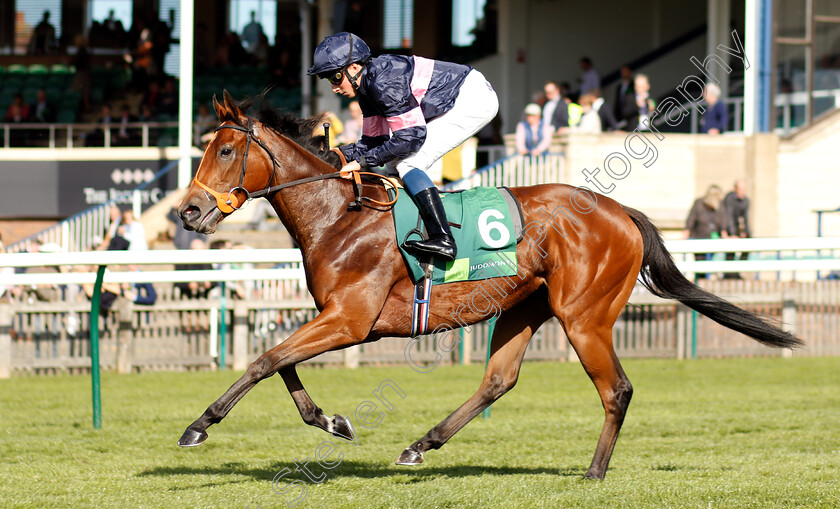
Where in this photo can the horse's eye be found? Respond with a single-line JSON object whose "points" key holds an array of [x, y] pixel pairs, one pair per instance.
{"points": [[225, 152]]}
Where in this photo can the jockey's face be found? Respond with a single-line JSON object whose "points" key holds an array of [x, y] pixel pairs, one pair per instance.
{"points": [[345, 88]]}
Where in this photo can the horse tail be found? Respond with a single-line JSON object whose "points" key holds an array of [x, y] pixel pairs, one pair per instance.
{"points": [[660, 275]]}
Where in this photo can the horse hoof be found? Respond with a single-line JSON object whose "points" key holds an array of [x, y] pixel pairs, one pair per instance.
{"points": [[410, 457], [192, 438], [343, 428], [593, 475]]}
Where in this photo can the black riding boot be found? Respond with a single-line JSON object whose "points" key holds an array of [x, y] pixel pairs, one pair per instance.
{"points": [[440, 242]]}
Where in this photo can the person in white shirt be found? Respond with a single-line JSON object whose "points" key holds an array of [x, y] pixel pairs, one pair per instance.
{"points": [[553, 98], [590, 122], [133, 232]]}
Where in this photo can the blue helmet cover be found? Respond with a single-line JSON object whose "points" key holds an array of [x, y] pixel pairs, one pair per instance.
{"points": [[334, 53]]}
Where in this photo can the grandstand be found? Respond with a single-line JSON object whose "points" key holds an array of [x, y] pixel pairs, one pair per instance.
{"points": [[781, 93]]}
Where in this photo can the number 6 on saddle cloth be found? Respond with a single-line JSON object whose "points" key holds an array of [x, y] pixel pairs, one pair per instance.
{"points": [[486, 223]]}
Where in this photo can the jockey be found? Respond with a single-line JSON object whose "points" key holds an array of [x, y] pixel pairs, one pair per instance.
{"points": [[415, 111]]}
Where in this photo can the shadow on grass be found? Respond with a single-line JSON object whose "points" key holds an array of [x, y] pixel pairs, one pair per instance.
{"points": [[348, 469]]}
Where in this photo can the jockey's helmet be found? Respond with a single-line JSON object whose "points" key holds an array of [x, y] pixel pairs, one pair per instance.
{"points": [[337, 52]]}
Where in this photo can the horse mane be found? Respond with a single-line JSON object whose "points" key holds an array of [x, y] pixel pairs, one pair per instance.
{"points": [[299, 130]]}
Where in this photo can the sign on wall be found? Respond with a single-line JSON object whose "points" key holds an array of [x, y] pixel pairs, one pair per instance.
{"points": [[58, 189]]}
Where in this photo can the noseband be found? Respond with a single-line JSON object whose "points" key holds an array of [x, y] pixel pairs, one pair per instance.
{"points": [[232, 201]]}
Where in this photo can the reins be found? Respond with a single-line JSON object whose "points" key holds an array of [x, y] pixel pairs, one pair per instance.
{"points": [[233, 201]]}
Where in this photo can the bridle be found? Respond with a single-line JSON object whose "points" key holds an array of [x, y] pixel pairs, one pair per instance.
{"points": [[234, 200]]}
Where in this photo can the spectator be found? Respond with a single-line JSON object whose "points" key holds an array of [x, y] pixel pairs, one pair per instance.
{"points": [[574, 111], [737, 206], [589, 80], [565, 89], [81, 61], [638, 107], [138, 293], [625, 88], [590, 122], [146, 114], [42, 110], [141, 60], [533, 137], [114, 219], [552, 112], [43, 37], [47, 292], [605, 114], [114, 30], [97, 137], [152, 96], [195, 289], [107, 116], [251, 33], [168, 104], [230, 51], [125, 135], [18, 111], [715, 117], [161, 41], [133, 232], [706, 220], [109, 291], [353, 125]]}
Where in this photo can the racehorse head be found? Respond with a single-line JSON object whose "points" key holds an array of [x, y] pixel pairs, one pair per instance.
{"points": [[237, 165], [251, 158]]}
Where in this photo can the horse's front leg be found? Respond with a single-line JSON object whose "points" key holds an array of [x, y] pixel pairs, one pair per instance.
{"points": [[337, 425], [330, 330]]}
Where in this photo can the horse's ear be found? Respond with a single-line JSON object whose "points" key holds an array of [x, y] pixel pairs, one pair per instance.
{"points": [[220, 110], [231, 106]]}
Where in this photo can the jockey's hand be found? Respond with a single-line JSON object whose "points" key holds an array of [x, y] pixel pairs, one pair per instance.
{"points": [[352, 166]]}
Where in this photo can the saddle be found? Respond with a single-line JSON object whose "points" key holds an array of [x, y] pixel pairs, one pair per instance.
{"points": [[487, 225]]}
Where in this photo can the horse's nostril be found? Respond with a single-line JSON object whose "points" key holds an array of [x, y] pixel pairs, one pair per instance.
{"points": [[190, 213]]}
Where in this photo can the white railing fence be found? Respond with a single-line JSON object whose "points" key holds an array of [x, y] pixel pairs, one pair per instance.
{"points": [[75, 135], [514, 170], [188, 334], [790, 110]]}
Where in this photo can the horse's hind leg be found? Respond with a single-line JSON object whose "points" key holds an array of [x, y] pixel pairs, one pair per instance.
{"points": [[588, 322], [594, 347], [337, 425], [513, 330]]}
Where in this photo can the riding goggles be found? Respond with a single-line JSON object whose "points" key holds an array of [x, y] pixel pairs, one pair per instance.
{"points": [[335, 78]]}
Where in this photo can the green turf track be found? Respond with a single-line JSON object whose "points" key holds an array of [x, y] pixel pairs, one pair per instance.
{"points": [[711, 433]]}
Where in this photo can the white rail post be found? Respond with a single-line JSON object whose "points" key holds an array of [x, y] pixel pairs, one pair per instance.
{"points": [[240, 336], [789, 319], [6, 317], [125, 335], [682, 326], [351, 356]]}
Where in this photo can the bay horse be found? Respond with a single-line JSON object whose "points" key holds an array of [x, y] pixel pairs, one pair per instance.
{"points": [[581, 270]]}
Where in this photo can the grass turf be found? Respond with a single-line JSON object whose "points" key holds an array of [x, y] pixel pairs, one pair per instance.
{"points": [[709, 433]]}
